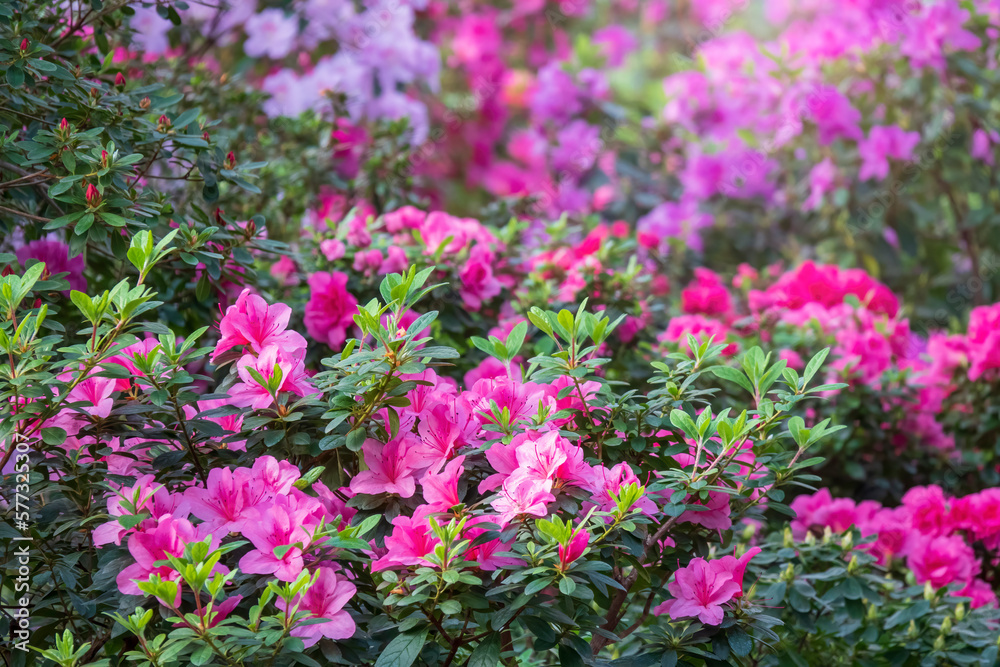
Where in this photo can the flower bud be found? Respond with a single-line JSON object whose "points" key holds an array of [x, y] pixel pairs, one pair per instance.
{"points": [[145, 103], [789, 574], [230, 161], [24, 44], [852, 566], [120, 80], [64, 125], [205, 135], [912, 632], [104, 159], [810, 539], [827, 535], [749, 531], [788, 541], [939, 643], [93, 196], [218, 217], [162, 123], [847, 542], [928, 591], [872, 612], [946, 625], [960, 611]]}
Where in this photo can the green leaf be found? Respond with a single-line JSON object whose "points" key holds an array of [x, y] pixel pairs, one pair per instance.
{"points": [[908, 614], [568, 657], [740, 642], [403, 650], [15, 77], [814, 365], [53, 436], [64, 220], [487, 654], [733, 375]]}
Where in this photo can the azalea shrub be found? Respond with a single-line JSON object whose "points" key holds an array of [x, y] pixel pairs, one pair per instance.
{"points": [[409, 332]]}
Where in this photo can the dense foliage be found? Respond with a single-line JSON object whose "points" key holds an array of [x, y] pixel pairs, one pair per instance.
{"points": [[410, 332]]}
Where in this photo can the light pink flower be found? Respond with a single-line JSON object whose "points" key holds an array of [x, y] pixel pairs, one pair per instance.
{"points": [[331, 308], [251, 393], [523, 495], [390, 467], [325, 599], [700, 590], [280, 524], [253, 323]]}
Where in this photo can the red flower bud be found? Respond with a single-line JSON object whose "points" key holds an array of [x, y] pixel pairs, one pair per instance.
{"points": [[7, 271], [204, 135], [63, 125], [218, 217], [24, 44], [104, 158], [93, 196], [119, 79], [37, 304], [230, 160], [145, 102]]}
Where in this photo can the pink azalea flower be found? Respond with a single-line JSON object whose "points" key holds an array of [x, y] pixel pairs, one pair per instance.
{"points": [[279, 525], [980, 593], [228, 501], [126, 357], [168, 538], [332, 249], [488, 554], [251, 322], [390, 467], [503, 459], [441, 489], [700, 590], [55, 256], [331, 308], [520, 399], [151, 497], [943, 560], [522, 494], [604, 482], [736, 567], [270, 33], [278, 477], [478, 284], [706, 295], [573, 548], [411, 540], [250, 393], [325, 599], [403, 218], [928, 509], [95, 393], [716, 517], [884, 143]]}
